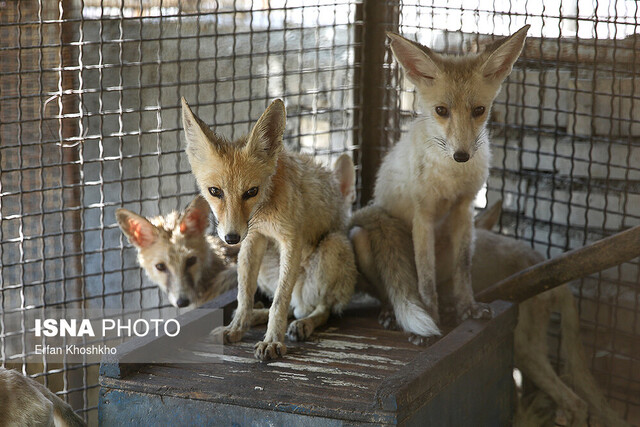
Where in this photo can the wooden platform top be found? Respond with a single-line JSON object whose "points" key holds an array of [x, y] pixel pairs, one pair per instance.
{"points": [[351, 369]]}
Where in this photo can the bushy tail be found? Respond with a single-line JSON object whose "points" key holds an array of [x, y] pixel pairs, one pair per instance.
{"points": [[385, 257], [579, 374]]}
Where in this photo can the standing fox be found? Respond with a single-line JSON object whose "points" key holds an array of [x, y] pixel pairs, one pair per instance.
{"points": [[262, 195], [192, 267], [431, 177]]}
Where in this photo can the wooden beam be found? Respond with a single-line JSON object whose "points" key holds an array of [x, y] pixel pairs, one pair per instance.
{"points": [[577, 263]]}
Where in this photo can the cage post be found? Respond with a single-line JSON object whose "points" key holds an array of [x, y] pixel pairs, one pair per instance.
{"points": [[372, 94], [68, 122], [71, 176]]}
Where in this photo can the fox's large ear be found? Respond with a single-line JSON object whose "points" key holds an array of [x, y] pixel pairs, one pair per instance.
{"points": [[345, 173], [201, 141], [266, 135], [419, 62], [195, 219], [502, 54], [139, 230]]}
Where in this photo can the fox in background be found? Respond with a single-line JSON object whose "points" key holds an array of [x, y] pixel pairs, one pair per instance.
{"points": [[26, 402], [430, 178], [262, 195], [177, 254]]}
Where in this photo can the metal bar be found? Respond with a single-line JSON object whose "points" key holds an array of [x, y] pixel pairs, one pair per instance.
{"points": [[375, 17]]}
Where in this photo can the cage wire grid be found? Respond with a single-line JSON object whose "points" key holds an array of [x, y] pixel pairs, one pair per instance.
{"points": [[89, 121]]}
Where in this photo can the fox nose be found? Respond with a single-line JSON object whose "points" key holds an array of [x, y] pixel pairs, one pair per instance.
{"points": [[460, 156], [232, 238], [182, 302]]}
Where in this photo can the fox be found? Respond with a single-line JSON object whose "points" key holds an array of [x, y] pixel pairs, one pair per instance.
{"points": [[25, 402], [262, 195], [188, 265], [431, 177], [497, 257], [217, 270]]}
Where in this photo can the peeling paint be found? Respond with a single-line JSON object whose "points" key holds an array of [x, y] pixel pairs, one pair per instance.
{"points": [[210, 376], [322, 370], [346, 345], [341, 383], [290, 375], [355, 337], [340, 355]]}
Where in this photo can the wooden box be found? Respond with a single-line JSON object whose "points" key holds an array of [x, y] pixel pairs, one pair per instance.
{"points": [[351, 372]]}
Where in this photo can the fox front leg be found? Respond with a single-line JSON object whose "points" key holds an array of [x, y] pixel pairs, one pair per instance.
{"points": [[273, 346], [462, 235], [249, 260], [423, 233]]}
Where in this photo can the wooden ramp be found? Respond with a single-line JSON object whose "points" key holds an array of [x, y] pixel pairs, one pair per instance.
{"points": [[350, 372]]}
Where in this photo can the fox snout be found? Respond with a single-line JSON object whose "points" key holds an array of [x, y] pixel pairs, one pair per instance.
{"points": [[461, 156], [231, 235], [182, 302], [232, 238]]}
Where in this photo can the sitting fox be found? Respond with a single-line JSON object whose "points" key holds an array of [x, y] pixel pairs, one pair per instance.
{"points": [[431, 177]]}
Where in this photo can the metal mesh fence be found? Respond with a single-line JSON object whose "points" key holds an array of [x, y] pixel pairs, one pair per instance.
{"points": [[89, 122]]}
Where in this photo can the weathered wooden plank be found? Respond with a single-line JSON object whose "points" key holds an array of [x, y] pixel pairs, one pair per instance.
{"points": [[337, 375], [200, 322], [581, 262], [441, 363]]}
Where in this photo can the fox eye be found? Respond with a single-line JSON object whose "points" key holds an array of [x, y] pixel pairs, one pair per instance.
{"points": [[442, 111], [191, 260], [478, 111], [216, 192], [161, 266], [252, 192]]}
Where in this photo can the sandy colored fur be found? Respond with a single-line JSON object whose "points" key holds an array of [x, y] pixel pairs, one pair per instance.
{"points": [[298, 210], [25, 402], [173, 243], [431, 177]]}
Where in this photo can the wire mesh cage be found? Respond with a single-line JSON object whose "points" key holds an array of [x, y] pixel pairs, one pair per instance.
{"points": [[89, 122]]}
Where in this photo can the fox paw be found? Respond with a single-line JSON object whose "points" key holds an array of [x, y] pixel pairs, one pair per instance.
{"points": [[229, 335], [265, 351], [387, 318], [299, 331], [424, 341], [478, 310]]}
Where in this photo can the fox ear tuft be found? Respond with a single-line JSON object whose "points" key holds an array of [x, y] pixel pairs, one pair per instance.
{"points": [[418, 61], [195, 219], [502, 54], [345, 173], [266, 135], [140, 232]]}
